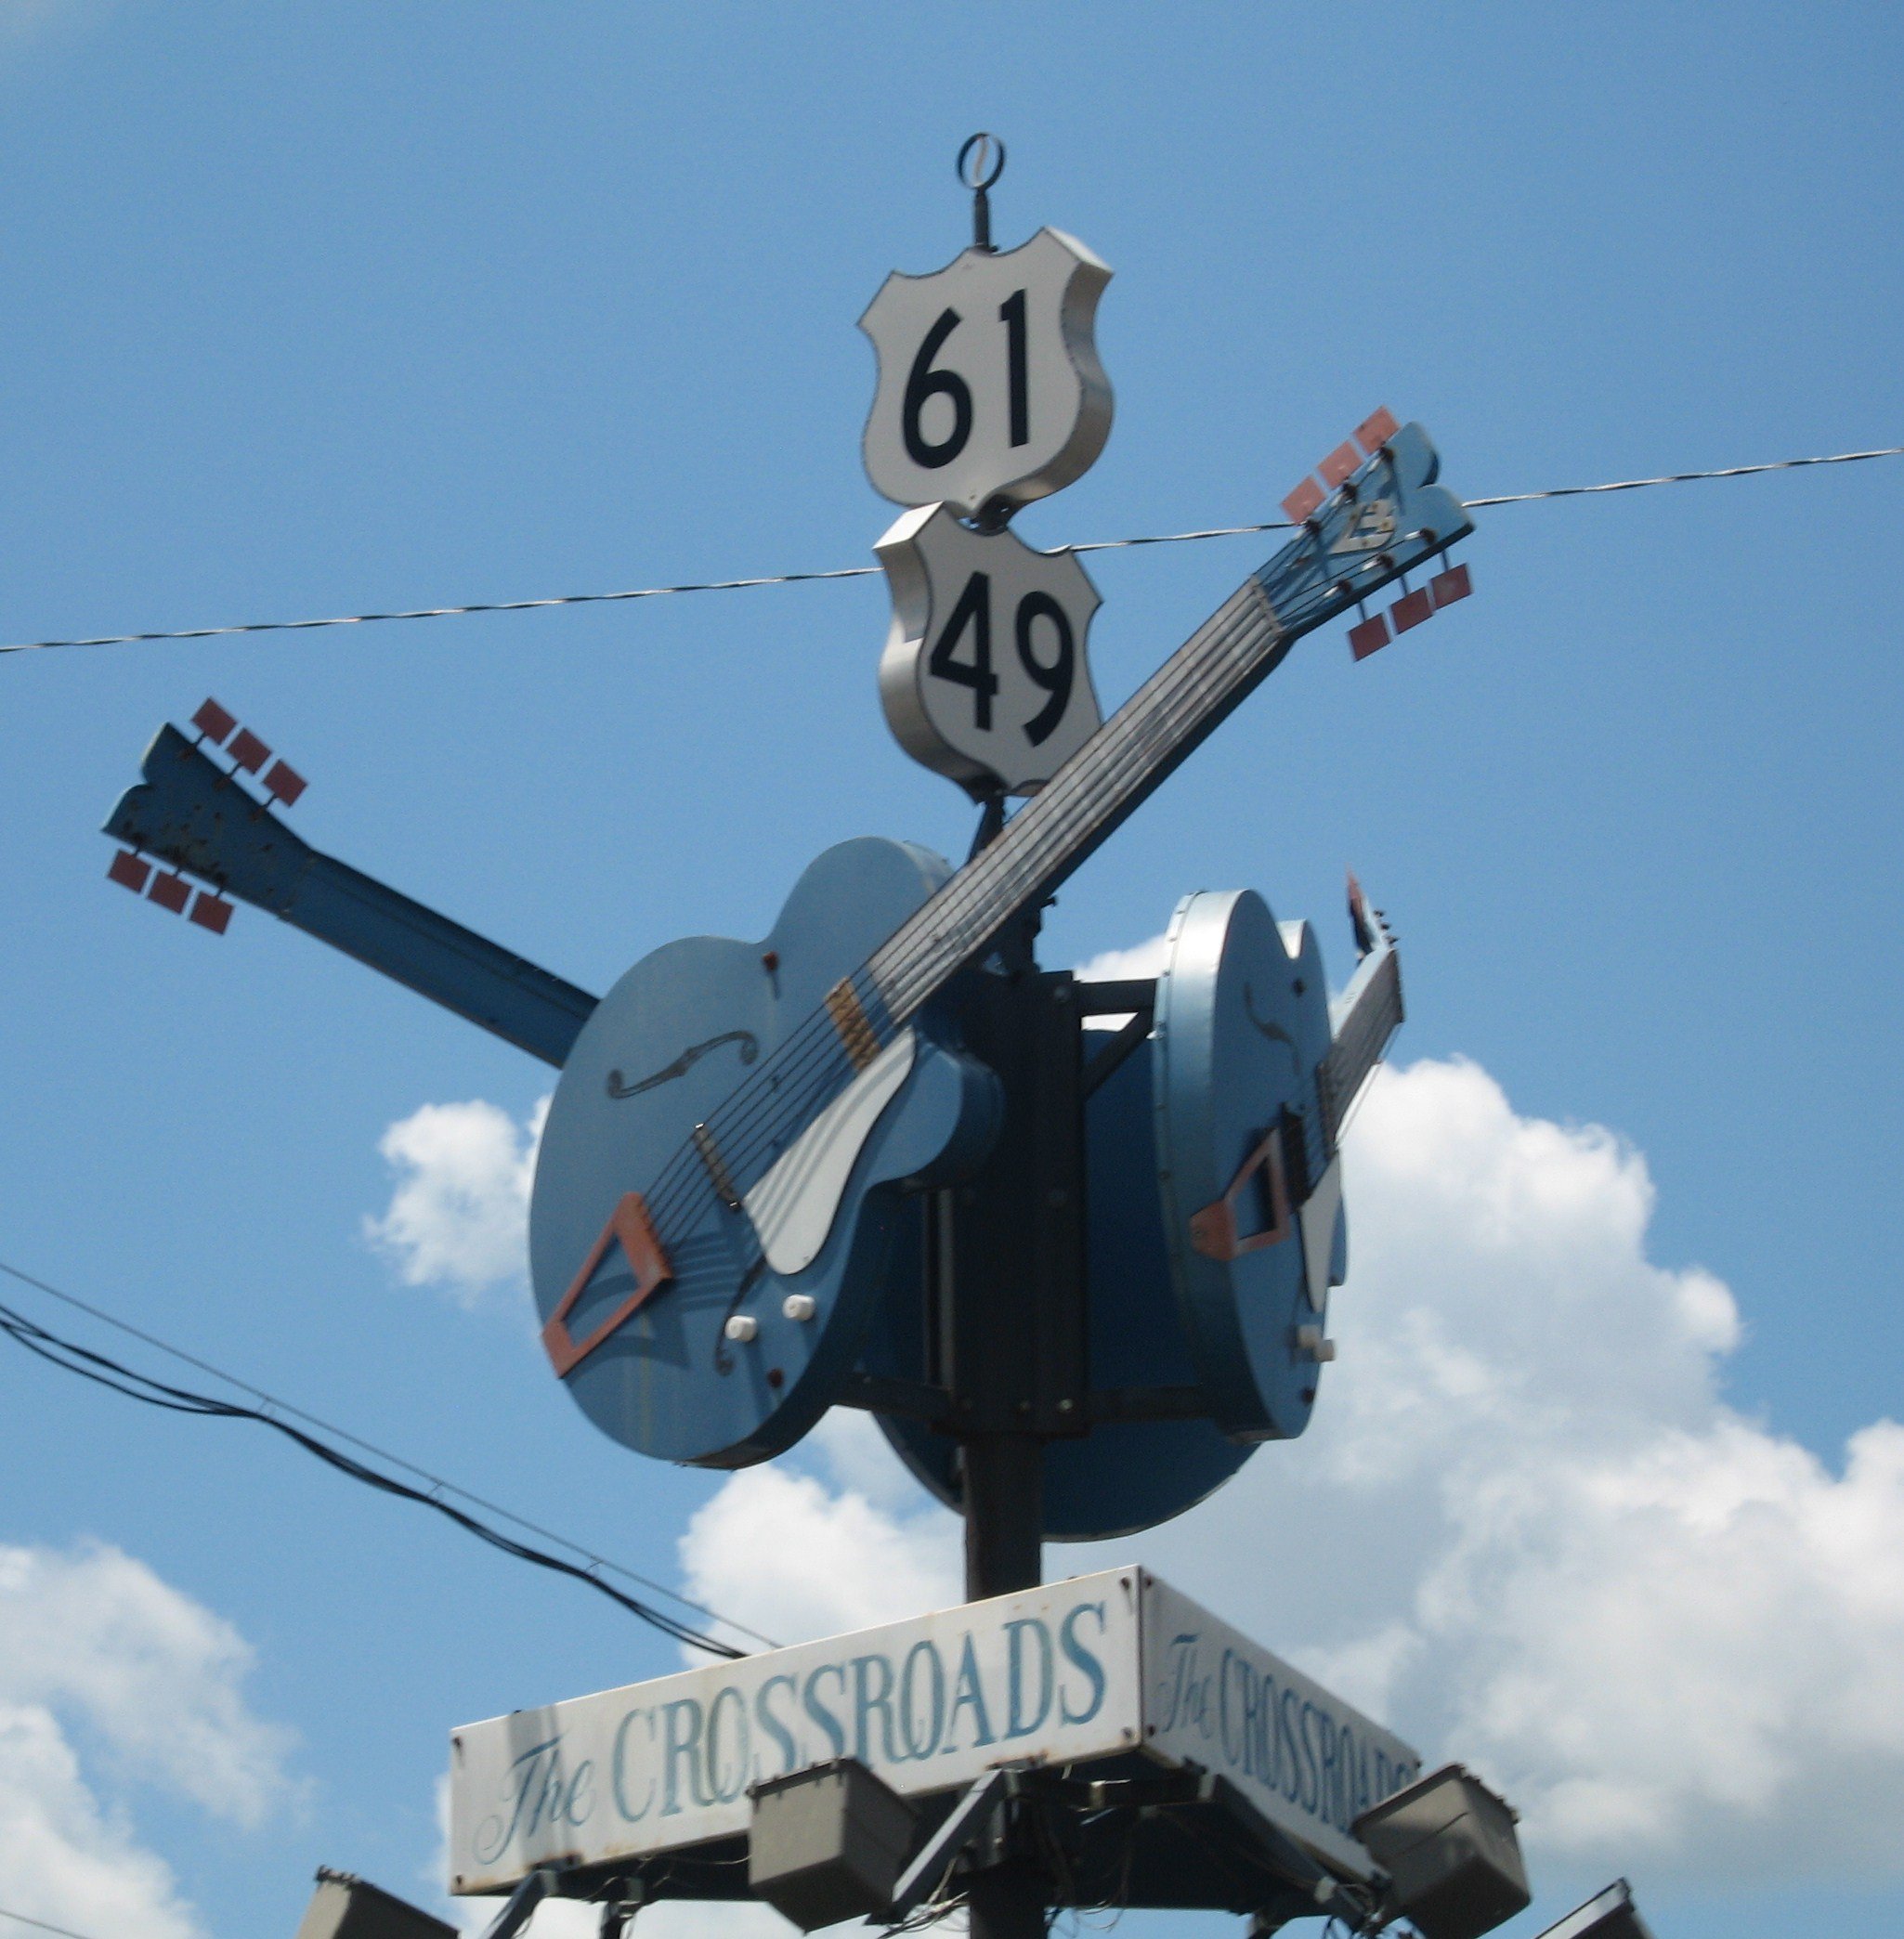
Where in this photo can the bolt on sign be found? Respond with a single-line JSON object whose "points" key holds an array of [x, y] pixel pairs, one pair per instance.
{"points": [[1104, 1666]]}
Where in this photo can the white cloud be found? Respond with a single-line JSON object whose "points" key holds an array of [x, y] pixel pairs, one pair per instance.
{"points": [[457, 1214], [93, 1639], [1142, 960], [1532, 1534], [784, 1551]]}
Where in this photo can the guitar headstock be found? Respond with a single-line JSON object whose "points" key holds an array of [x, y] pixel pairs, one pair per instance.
{"points": [[1378, 517], [197, 815]]}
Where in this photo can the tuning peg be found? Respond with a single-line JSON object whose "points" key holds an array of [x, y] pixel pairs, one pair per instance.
{"points": [[130, 870], [1371, 636], [1300, 506], [1410, 609], [284, 782], [248, 752], [170, 892], [1451, 585], [213, 722], [212, 912], [1340, 465], [1375, 429]]}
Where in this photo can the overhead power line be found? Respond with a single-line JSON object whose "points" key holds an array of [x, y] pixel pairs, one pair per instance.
{"points": [[848, 572], [281, 1415], [21, 1917]]}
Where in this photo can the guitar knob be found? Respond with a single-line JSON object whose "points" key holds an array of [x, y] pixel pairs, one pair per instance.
{"points": [[799, 1306], [741, 1327], [1311, 1344]]}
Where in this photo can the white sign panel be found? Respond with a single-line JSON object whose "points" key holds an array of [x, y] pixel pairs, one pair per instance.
{"points": [[928, 1704], [1096, 1668], [990, 387], [985, 676], [1307, 1761]]}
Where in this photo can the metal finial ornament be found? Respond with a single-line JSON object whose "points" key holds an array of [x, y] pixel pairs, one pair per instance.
{"points": [[981, 163]]}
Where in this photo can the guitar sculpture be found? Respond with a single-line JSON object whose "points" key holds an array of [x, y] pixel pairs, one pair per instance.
{"points": [[726, 1170], [740, 1215]]}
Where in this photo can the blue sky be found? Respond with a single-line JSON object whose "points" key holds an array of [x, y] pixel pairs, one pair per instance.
{"points": [[321, 309]]}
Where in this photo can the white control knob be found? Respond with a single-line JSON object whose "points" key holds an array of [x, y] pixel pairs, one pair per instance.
{"points": [[1311, 1344], [799, 1306], [741, 1326]]}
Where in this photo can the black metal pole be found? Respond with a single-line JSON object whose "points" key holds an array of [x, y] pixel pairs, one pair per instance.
{"points": [[1009, 1267]]}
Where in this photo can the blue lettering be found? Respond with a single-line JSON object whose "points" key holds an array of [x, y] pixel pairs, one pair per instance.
{"points": [[677, 1747], [789, 1750], [865, 1701], [1074, 1647], [818, 1711], [1330, 1799], [1285, 1739], [579, 1787], [967, 1693], [1020, 1723], [618, 1769], [1312, 1777], [920, 1743], [726, 1793], [531, 1787]]}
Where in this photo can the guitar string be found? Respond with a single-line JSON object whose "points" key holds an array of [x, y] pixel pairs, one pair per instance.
{"points": [[850, 572], [1306, 607], [1148, 729], [1229, 636], [921, 961], [676, 1187]]}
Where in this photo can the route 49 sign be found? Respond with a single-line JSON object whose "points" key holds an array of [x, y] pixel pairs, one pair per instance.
{"points": [[990, 389], [984, 678]]}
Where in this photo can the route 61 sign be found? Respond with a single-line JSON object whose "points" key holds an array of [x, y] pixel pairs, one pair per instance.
{"points": [[990, 389], [984, 677]]}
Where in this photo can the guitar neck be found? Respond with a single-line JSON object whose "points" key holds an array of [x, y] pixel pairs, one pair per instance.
{"points": [[1389, 518], [1105, 781], [1369, 1014]]}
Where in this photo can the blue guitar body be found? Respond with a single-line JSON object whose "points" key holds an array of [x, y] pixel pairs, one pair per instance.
{"points": [[662, 1050]]}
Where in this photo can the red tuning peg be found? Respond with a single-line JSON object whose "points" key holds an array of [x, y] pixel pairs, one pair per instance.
{"points": [[1369, 637], [213, 722], [170, 892], [1375, 429], [248, 752], [1339, 466], [285, 782], [1410, 609], [1451, 585], [1301, 505], [129, 870], [212, 912]]}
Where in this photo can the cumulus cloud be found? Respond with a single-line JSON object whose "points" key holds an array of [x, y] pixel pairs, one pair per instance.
{"points": [[1532, 1535], [1535, 1536], [458, 1211], [93, 1639]]}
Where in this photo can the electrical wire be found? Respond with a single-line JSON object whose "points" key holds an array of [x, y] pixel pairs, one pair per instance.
{"points": [[848, 572], [64, 1932], [104, 1371]]}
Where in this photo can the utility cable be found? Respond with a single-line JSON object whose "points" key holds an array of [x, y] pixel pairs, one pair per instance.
{"points": [[21, 1917], [105, 1372], [848, 572]]}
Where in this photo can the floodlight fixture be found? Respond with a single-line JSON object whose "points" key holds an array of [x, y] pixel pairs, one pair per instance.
{"points": [[828, 1843], [1607, 1914], [344, 1907], [1448, 1845]]}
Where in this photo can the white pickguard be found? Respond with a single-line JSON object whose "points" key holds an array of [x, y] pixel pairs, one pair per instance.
{"points": [[794, 1206], [1316, 1218]]}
